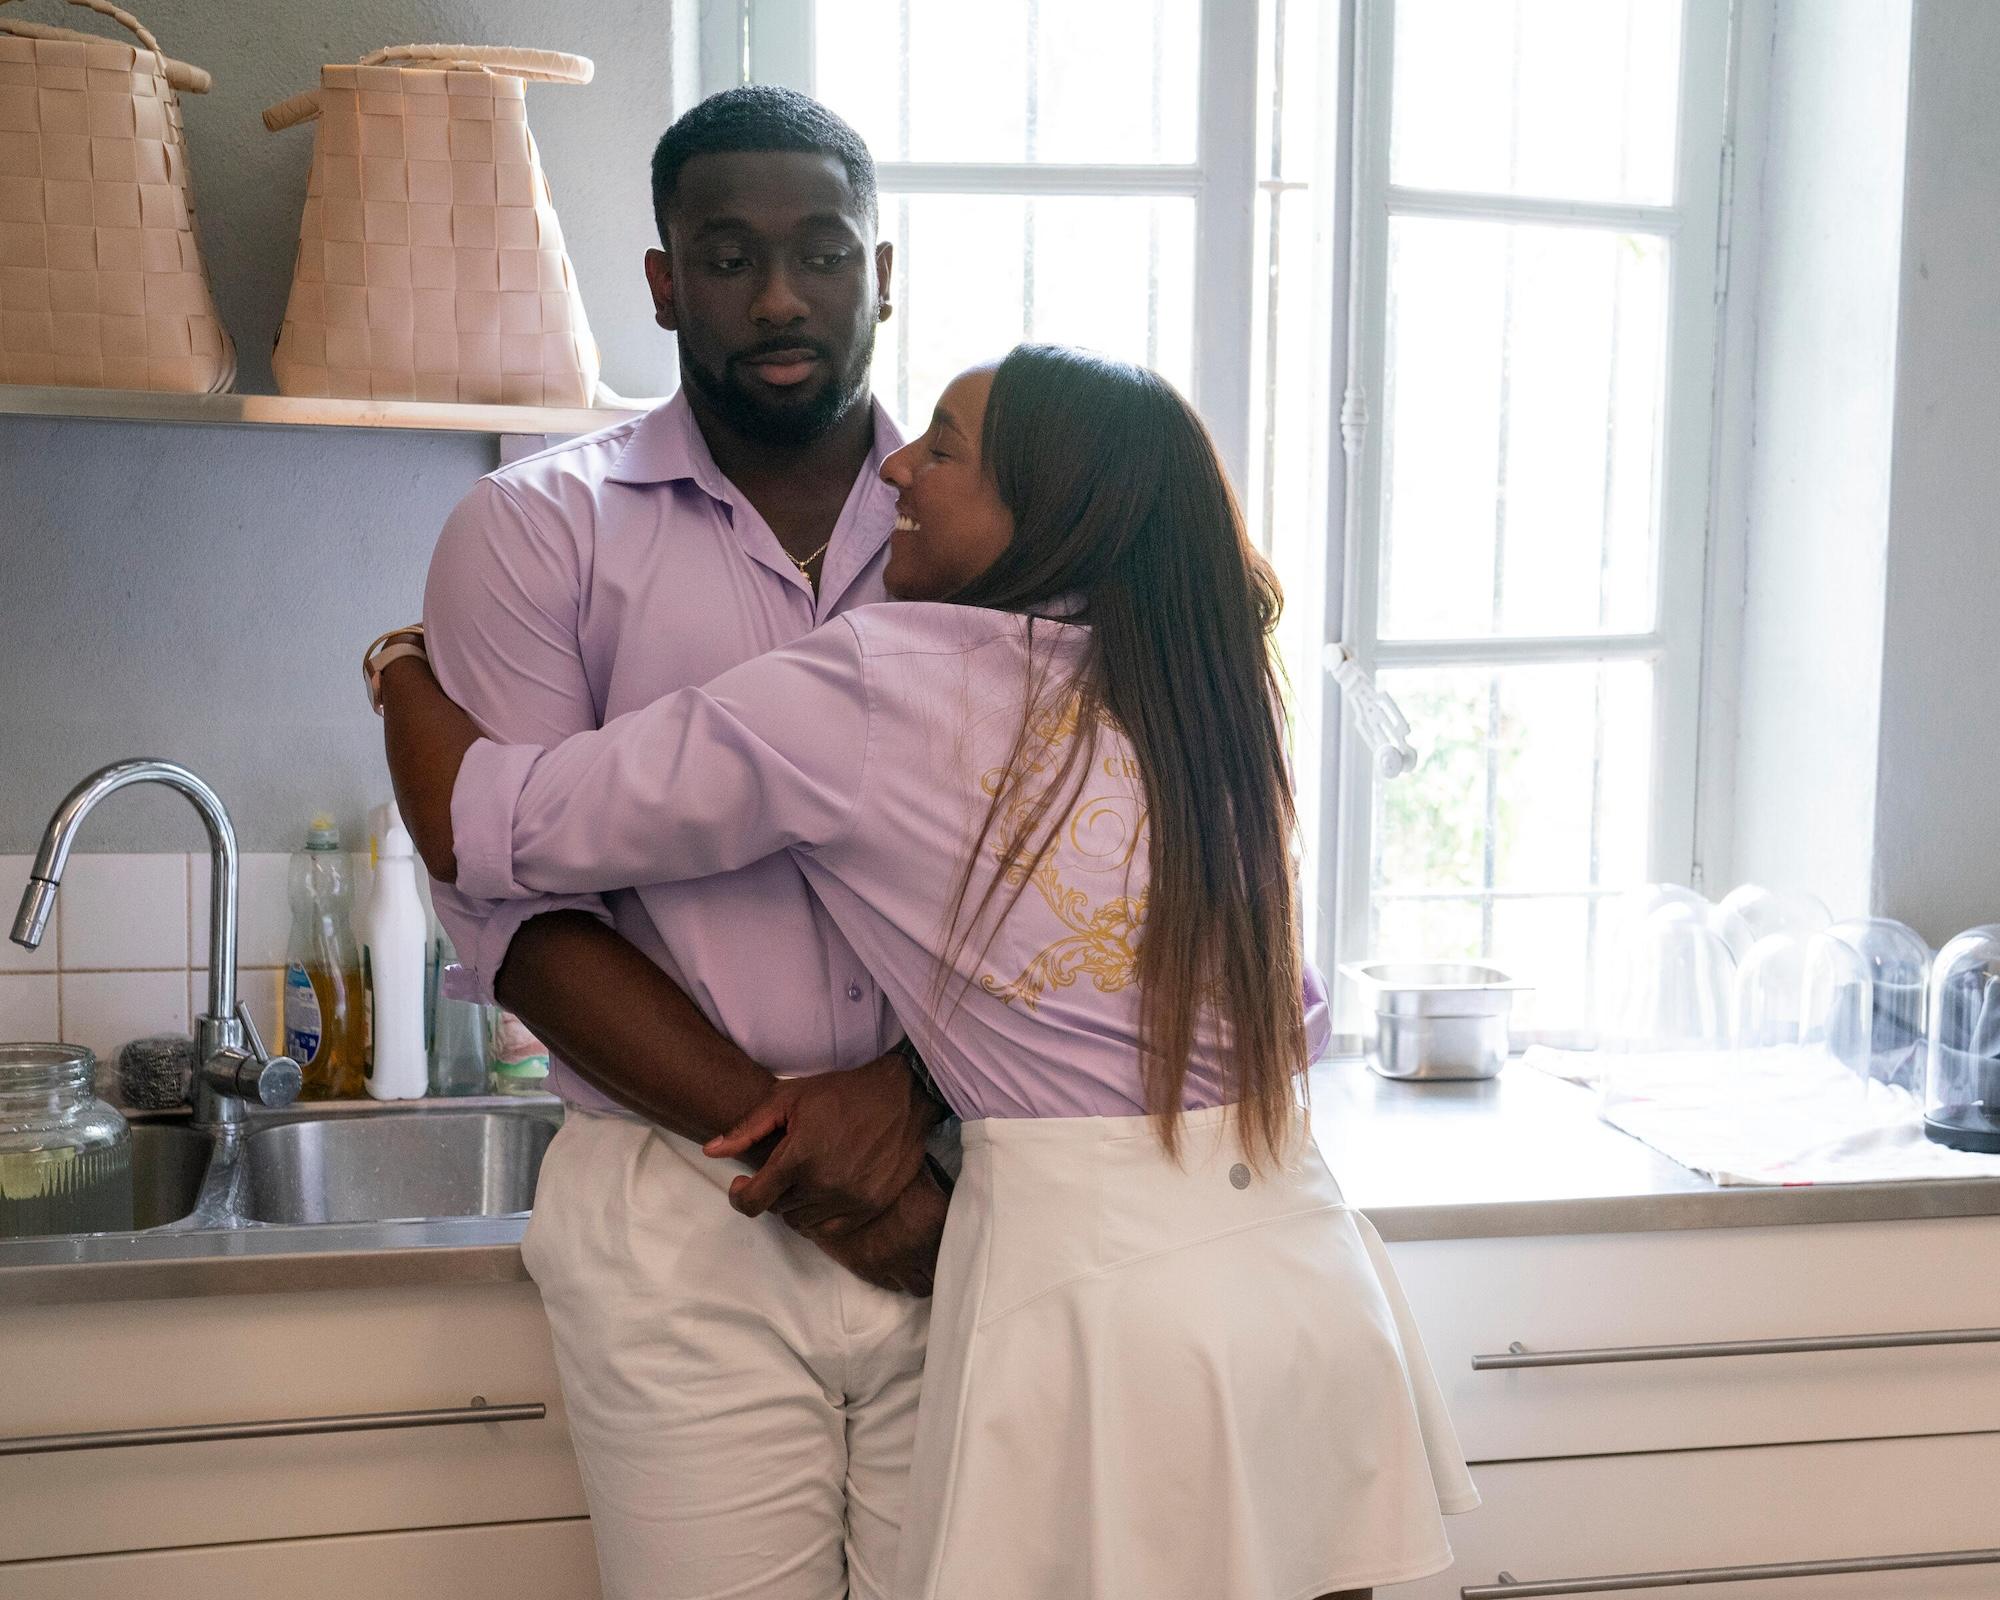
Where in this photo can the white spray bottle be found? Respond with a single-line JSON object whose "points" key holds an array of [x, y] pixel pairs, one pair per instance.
{"points": [[395, 944]]}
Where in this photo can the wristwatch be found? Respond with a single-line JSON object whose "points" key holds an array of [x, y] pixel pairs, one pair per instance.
{"points": [[394, 645]]}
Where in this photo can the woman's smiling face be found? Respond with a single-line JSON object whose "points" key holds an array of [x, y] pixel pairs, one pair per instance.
{"points": [[950, 522]]}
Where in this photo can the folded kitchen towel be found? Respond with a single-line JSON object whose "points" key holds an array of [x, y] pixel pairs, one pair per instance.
{"points": [[1789, 1114]]}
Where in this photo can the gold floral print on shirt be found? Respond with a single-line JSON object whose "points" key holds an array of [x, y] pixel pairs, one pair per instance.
{"points": [[1101, 834]]}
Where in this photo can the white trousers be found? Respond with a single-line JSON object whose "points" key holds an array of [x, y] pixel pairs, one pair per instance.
{"points": [[743, 1410]]}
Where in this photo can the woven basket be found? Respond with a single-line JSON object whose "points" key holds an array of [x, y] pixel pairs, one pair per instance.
{"points": [[101, 281], [431, 265]]}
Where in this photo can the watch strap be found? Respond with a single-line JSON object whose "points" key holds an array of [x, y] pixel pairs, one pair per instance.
{"points": [[397, 644]]}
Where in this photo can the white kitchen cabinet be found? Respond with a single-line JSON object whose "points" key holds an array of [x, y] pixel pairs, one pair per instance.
{"points": [[1698, 1460], [376, 1354], [548, 1560], [1589, 1470], [1699, 1286], [1587, 1517]]}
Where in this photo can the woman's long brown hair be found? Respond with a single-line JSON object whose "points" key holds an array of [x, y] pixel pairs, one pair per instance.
{"points": [[1124, 520]]}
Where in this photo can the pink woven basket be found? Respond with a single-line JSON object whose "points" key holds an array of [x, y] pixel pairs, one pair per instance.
{"points": [[101, 278], [431, 265]]}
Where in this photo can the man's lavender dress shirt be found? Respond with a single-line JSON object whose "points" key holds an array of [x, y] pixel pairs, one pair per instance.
{"points": [[590, 580]]}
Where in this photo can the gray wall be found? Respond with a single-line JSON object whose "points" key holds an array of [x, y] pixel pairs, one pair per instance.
{"points": [[203, 593], [1867, 767], [1824, 300], [1937, 863]]}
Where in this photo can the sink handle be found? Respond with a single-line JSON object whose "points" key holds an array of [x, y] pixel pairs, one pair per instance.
{"points": [[279, 1082], [250, 1031], [254, 1074], [274, 1081]]}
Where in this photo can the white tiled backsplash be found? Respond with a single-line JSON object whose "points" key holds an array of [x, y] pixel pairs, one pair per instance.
{"points": [[126, 953]]}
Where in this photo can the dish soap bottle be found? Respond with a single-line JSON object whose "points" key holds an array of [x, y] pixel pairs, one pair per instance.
{"points": [[324, 1022], [394, 951]]}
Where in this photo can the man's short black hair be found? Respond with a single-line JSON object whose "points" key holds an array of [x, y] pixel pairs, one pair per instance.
{"points": [[758, 117]]}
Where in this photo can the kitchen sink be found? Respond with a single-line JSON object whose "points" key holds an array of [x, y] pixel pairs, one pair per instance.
{"points": [[394, 1167], [168, 1166]]}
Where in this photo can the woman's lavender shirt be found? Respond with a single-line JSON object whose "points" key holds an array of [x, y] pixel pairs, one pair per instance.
{"points": [[870, 751]]}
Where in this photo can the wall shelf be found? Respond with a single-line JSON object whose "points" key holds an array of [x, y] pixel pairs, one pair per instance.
{"points": [[293, 411]]}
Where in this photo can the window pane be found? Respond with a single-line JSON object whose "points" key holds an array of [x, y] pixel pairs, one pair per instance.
{"points": [[1525, 378], [1530, 805], [976, 274], [1567, 99], [1426, 930], [1286, 377], [1297, 42], [1014, 80]]}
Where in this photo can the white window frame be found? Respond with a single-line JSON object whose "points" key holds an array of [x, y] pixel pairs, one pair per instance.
{"points": [[1694, 226], [772, 41]]}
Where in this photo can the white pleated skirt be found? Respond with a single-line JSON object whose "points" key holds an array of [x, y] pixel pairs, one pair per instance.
{"points": [[1182, 1381]]}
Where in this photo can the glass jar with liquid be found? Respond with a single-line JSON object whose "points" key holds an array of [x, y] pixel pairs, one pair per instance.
{"points": [[65, 1156], [326, 1020]]}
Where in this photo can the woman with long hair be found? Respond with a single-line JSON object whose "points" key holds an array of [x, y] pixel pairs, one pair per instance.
{"points": [[1046, 800]]}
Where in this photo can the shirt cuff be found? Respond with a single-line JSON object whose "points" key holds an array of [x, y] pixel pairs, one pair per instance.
{"points": [[491, 943], [489, 784], [495, 937]]}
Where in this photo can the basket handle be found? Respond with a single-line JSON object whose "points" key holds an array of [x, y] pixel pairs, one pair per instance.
{"points": [[193, 80], [543, 66], [302, 107]]}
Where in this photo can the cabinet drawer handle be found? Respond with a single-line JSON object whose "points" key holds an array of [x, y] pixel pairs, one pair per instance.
{"points": [[1510, 1588], [1518, 1355], [39, 1444]]}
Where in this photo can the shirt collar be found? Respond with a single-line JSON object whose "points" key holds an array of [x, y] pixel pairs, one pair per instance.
{"points": [[666, 446], [870, 511]]}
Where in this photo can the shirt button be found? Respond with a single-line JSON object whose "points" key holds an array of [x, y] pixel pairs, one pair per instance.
{"points": [[1239, 1176], [854, 991]]}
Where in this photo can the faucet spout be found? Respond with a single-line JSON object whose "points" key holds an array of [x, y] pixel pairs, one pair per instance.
{"points": [[219, 1033], [32, 920], [45, 877]]}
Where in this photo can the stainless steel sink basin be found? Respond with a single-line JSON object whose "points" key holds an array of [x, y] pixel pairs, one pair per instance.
{"points": [[393, 1167], [168, 1165]]}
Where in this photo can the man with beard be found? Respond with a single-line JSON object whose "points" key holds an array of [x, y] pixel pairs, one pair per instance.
{"points": [[741, 1400]]}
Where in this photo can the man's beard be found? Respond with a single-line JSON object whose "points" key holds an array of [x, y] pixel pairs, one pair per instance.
{"points": [[790, 425]]}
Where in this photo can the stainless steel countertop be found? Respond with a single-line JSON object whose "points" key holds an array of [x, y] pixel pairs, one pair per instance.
{"points": [[78, 1268], [1524, 1153], [1517, 1155]]}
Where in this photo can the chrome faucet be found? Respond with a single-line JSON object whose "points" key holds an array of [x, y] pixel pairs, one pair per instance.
{"points": [[232, 1064]]}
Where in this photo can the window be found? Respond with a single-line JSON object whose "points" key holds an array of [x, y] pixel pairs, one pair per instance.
{"points": [[1537, 191], [1525, 263], [1048, 170]]}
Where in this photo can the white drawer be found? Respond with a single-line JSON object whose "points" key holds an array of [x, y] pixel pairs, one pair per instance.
{"points": [[1615, 1292], [1546, 1521], [549, 1560], [251, 1358]]}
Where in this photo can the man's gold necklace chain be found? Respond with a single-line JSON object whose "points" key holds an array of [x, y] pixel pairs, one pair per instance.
{"points": [[804, 564]]}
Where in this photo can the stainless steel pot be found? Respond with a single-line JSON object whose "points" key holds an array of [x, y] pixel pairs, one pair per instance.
{"points": [[1436, 1019]]}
